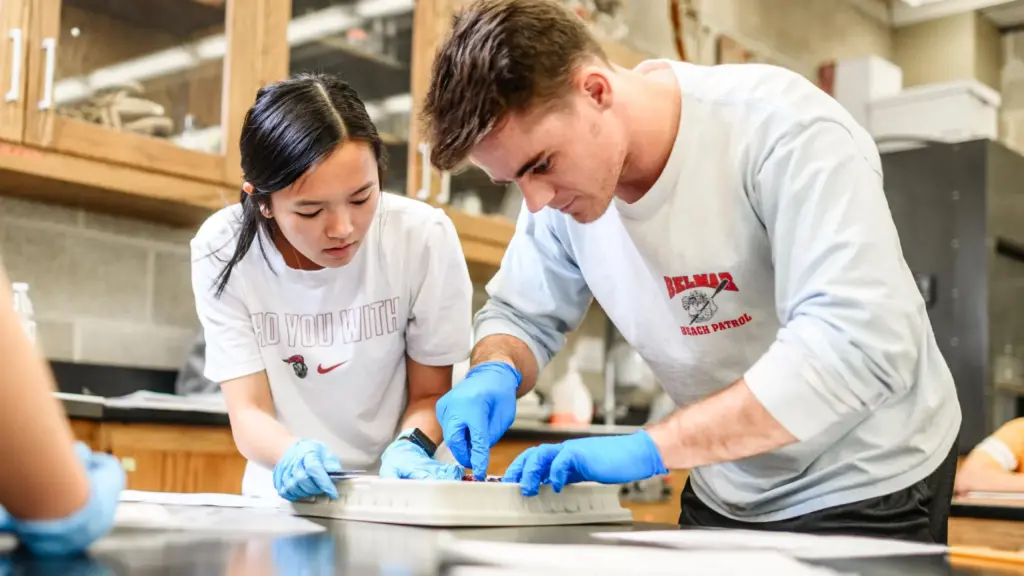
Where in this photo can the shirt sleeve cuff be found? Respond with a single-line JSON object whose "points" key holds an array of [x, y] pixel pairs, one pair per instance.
{"points": [[781, 382], [237, 371], [999, 452], [492, 326], [447, 359]]}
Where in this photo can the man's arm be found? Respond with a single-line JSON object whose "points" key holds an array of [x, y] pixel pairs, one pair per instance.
{"points": [[728, 425], [537, 296], [509, 349]]}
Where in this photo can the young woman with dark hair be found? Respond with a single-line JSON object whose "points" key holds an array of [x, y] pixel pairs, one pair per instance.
{"points": [[334, 336]]}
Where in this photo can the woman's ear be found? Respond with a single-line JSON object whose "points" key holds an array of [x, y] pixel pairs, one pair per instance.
{"points": [[248, 188]]}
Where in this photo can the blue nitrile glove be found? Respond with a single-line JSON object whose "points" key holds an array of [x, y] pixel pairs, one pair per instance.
{"points": [[477, 411], [6, 522], [404, 459], [302, 472], [604, 459], [74, 533]]}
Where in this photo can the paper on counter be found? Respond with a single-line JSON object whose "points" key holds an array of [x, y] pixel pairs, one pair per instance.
{"points": [[201, 499], [598, 560], [796, 545], [136, 515], [996, 495], [146, 399]]}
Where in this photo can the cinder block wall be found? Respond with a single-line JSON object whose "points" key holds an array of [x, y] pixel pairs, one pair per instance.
{"points": [[106, 289]]}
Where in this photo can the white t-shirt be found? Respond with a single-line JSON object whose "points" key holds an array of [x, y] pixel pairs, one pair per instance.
{"points": [[765, 251], [334, 342]]}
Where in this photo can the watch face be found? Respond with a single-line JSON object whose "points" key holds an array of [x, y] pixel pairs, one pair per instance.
{"points": [[424, 441]]}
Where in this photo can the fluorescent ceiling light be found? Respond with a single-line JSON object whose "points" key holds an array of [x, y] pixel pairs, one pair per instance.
{"points": [[302, 29]]}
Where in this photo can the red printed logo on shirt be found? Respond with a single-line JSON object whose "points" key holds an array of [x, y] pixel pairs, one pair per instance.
{"points": [[697, 295], [321, 370]]}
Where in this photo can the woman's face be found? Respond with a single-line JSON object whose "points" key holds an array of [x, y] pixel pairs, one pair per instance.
{"points": [[324, 215]]}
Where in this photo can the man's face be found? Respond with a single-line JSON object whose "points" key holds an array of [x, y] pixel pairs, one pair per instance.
{"points": [[325, 214], [568, 157]]}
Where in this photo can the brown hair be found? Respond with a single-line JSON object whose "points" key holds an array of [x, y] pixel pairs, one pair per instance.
{"points": [[502, 56]]}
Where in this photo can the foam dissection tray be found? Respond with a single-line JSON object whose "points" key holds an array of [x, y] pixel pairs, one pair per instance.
{"points": [[438, 503]]}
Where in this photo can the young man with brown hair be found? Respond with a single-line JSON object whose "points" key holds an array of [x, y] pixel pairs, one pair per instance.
{"points": [[731, 222]]}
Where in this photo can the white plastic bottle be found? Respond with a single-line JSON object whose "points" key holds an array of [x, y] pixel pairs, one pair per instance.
{"points": [[23, 308], [1008, 370], [571, 399]]}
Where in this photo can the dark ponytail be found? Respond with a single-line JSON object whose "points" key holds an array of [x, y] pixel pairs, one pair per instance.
{"points": [[293, 125]]}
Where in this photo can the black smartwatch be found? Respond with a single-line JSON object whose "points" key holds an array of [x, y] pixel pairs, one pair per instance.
{"points": [[417, 437]]}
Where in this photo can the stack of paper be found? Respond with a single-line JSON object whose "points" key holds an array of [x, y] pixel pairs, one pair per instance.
{"points": [[201, 499], [805, 546], [996, 495], [506, 558]]}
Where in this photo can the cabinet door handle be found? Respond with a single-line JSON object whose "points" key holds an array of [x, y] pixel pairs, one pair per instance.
{"points": [[50, 47], [16, 58]]}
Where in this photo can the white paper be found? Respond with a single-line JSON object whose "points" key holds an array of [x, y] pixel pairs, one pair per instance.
{"points": [[996, 495], [213, 403], [135, 515], [145, 399], [80, 397], [804, 546], [201, 499], [597, 560]]}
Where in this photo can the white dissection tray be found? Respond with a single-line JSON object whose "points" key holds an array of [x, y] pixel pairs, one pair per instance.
{"points": [[443, 503]]}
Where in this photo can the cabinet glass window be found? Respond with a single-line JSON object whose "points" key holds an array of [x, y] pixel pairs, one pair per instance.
{"points": [[150, 67], [368, 43]]}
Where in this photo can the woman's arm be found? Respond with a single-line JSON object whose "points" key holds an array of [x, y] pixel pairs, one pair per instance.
{"points": [[35, 437], [426, 386], [257, 433]]}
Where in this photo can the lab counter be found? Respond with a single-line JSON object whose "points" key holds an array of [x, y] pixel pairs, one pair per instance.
{"points": [[365, 548]]}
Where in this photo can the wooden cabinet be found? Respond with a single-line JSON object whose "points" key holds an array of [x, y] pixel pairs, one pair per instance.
{"points": [[13, 43], [136, 107], [169, 458], [152, 87]]}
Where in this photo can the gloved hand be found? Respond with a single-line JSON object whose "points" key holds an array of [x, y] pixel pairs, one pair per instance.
{"points": [[605, 459], [6, 521], [477, 411], [404, 459], [302, 472], [74, 533]]}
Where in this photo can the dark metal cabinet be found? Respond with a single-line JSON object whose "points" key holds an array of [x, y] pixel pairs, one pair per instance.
{"points": [[953, 204]]}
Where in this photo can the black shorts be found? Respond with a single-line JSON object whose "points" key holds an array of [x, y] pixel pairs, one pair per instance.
{"points": [[919, 513]]}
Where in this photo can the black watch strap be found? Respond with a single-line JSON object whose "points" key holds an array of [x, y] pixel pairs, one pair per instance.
{"points": [[417, 437]]}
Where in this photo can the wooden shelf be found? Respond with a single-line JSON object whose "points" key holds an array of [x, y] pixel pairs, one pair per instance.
{"points": [[102, 186]]}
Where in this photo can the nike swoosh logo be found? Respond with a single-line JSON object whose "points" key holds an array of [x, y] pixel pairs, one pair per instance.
{"points": [[320, 368]]}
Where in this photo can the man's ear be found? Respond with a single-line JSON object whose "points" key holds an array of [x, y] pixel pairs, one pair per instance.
{"points": [[595, 82]]}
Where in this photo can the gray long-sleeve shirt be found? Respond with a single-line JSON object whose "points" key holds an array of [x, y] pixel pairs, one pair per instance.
{"points": [[765, 251]]}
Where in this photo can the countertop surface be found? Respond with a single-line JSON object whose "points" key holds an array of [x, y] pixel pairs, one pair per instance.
{"points": [[1003, 508], [353, 548]]}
